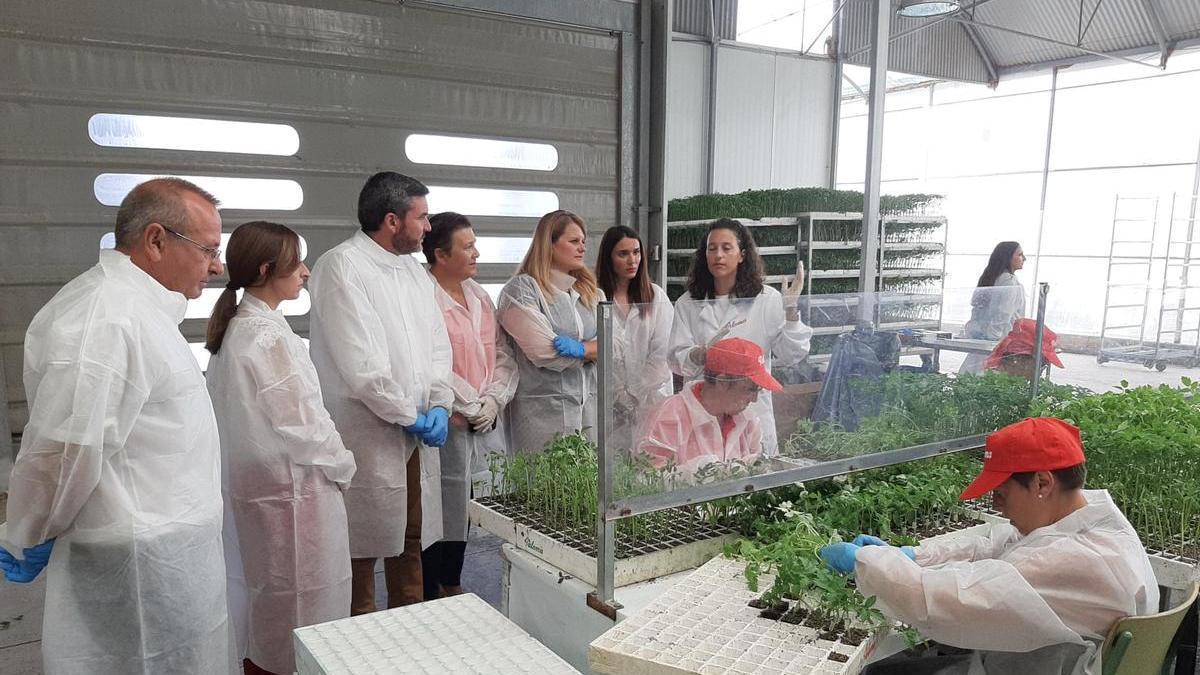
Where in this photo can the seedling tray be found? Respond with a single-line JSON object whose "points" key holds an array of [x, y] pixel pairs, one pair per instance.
{"points": [[461, 634], [675, 544], [703, 624]]}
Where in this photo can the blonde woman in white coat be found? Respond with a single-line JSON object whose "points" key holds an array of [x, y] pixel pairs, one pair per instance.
{"points": [[641, 332], [484, 378], [283, 463], [726, 297]]}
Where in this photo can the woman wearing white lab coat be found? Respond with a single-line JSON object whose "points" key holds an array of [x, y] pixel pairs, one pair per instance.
{"points": [[284, 466], [484, 379], [642, 317], [726, 297], [548, 311], [997, 302]]}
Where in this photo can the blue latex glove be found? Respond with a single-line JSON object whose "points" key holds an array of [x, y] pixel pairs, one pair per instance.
{"points": [[422, 426], [868, 540], [439, 427], [24, 571], [569, 347], [910, 552], [840, 556]]}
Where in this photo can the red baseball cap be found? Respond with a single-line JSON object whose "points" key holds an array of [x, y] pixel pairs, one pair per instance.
{"points": [[1033, 444], [741, 357], [1021, 341]]}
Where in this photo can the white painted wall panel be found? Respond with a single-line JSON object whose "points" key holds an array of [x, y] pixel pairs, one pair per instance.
{"points": [[745, 129], [803, 115], [687, 115]]}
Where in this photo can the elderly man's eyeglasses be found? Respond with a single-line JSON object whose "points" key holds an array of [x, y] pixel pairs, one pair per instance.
{"points": [[213, 253]]}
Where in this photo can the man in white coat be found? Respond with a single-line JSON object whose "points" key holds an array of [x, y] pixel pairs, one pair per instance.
{"points": [[381, 352], [118, 480]]}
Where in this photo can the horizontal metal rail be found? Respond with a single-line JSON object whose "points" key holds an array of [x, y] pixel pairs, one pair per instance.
{"points": [[698, 494]]}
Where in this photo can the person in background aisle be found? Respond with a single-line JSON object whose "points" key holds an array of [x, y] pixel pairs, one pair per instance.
{"points": [[707, 421], [549, 312], [483, 378], [641, 331], [726, 297], [284, 467], [1036, 595], [998, 301], [117, 485], [383, 358]]}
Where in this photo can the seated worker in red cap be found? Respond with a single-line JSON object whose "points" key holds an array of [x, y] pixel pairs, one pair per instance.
{"points": [[1035, 595], [1014, 354], [707, 421]]}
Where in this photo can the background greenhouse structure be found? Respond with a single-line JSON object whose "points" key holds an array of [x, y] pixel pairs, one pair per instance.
{"points": [[887, 153]]}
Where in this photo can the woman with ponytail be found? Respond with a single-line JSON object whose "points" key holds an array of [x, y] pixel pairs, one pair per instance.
{"points": [[284, 466]]}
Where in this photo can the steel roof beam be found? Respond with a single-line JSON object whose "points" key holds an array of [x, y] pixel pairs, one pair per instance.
{"points": [[984, 55], [1154, 18], [1047, 40]]}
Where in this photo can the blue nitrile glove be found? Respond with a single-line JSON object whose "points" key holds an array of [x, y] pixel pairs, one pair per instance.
{"points": [[569, 347], [910, 552], [421, 427], [868, 540], [840, 556], [439, 426], [25, 571]]}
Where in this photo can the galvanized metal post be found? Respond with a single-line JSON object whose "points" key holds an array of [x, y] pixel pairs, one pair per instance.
{"points": [[871, 233], [1043, 291], [605, 528], [710, 148]]}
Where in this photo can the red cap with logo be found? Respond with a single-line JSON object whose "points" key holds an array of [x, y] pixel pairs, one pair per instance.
{"points": [[1033, 444], [741, 357]]}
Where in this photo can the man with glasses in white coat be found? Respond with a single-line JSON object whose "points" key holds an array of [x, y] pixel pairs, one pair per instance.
{"points": [[381, 352], [117, 487]]}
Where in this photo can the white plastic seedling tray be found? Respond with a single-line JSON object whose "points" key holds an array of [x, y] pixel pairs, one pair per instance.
{"points": [[679, 557], [460, 634], [703, 625]]}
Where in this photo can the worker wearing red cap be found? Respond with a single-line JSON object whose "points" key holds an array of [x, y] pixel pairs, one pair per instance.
{"points": [[1014, 354], [707, 422], [1035, 595]]}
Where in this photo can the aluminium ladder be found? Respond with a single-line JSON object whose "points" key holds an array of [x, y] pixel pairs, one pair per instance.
{"points": [[1135, 225]]}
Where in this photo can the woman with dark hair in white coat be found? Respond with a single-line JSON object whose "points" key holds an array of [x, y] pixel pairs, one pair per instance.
{"points": [[283, 464], [998, 301], [726, 297], [483, 377], [642, 317]]}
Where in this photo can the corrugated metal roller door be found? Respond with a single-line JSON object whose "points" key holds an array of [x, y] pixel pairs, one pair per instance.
{"points": [[354, 79]]}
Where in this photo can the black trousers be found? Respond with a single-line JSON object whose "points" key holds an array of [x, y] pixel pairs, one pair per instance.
{"points": [[442, 565]]}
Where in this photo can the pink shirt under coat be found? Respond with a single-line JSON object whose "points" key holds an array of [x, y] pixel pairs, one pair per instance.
{"points": [[683, 431], [478, 368]]}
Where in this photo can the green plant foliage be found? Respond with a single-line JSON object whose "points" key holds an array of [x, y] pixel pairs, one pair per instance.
{"points": [[779, 203]]}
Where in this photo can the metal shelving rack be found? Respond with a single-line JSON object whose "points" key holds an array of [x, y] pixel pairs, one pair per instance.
{"points": [[1174, 339]]}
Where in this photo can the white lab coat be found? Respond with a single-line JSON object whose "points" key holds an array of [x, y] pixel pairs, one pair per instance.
{"points": [[382, 355], [993, 311], [1057, 590], [287, 547], [783, 342], [483, 366], [120, 462], [555, 395], [641, 377]]}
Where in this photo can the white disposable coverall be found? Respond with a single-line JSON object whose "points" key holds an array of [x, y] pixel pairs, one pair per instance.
{"points": [[554, 394], [1057, 590], [381, 352], [287, 549], [993, 310], [783, 342], [483, 366], [641, 377], [120, 462]]}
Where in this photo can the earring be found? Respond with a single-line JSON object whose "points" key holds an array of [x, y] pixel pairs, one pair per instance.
{"points": [[1041, 496]]}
